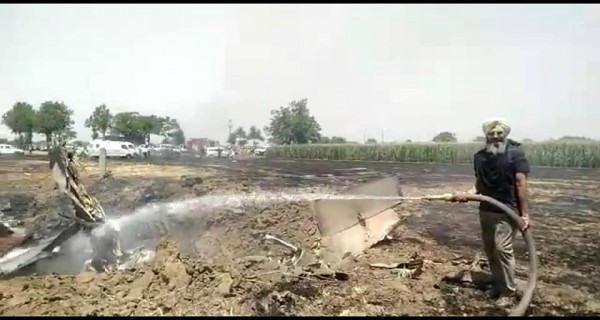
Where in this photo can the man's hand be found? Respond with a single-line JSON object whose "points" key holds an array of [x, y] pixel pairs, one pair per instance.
{"points": [[459, 197], [462, 196], [525, 218]]}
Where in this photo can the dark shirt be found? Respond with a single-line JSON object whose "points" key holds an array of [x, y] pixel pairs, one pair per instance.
{"points": [[496, 176]]}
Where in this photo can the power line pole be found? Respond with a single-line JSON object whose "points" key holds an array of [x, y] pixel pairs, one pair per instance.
{"points": [[365, 135], [230, 126]]}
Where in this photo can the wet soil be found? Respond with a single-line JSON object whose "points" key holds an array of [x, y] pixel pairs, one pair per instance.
{"points": [[216, 263]]}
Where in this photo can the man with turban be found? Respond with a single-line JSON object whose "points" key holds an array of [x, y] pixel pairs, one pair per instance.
{"points": [[501, 170]]}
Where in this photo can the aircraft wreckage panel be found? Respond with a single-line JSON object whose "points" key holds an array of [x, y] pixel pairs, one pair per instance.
{"points": [[348, 227]]}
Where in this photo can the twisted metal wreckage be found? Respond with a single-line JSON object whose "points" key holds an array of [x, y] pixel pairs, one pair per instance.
{"points": [[86, 216], [89, 218]]}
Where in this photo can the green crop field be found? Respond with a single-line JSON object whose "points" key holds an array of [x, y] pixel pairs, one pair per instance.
{"points": [[573, 155]]}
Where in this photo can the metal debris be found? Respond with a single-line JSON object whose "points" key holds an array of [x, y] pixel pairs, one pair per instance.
{"points": [[407, 268], [284, 243], [306, 265]]}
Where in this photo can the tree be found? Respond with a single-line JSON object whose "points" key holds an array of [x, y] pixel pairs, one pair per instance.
{"points": [[168, 126], [324, 140], [575, 139], [241, 136], [129, 126], [371, 141], [232, 138], [53, 120], [178, 137], [100, 121], [64, 136], [338, 140], [147, 125], [445, 137], [240, 133], [20, 119], [479, 139], [172, 132], [293, 124], [255, 134]]}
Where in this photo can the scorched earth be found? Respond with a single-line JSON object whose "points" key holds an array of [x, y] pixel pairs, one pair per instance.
{"points": [[216, 262]]}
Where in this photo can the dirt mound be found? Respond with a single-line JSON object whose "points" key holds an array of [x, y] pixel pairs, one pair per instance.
{"points": [[171, 285]]}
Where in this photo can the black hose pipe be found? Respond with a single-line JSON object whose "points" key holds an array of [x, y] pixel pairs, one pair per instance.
{"points": [[521, 308]]}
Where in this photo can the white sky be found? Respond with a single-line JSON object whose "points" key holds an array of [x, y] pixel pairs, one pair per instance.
{"points": [[414, 70]]}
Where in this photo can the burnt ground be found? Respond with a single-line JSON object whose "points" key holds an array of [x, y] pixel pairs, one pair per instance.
{"points": [[225, 268]]}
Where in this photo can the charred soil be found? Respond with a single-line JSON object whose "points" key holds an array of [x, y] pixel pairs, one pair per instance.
{"points": [[222, 266]]}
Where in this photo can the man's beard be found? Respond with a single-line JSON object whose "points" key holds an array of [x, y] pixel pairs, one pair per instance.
{"points": [[496, 147]]}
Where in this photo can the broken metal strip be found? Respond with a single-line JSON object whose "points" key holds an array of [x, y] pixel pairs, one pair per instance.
{"points": [[282, 242]]}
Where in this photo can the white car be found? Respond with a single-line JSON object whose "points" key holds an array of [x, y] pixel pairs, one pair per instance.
{"points": [[260, 151], [133, 151], [10, 149], [116, 149]]}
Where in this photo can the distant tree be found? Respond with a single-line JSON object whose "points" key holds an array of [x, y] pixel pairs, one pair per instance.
{"points": [[324, 140], [128, 126], [408, 141], [575, 139], [445, 137], [137, 128], [177, 137], [147, 125], [371, 141], [240, 133], [293, 124], [53, 120], [527, 140], [255, 134], [239, 137], [479, 139], [232, 138], [338, 140], [64, 136], [334, 139], [20, 119], [100, 121]]}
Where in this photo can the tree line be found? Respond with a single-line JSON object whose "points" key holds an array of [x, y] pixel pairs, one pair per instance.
{"points": [[133, 126], [53, 119], [292, 124], [240, 137]]}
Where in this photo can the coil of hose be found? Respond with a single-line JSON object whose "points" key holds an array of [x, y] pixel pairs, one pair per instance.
{"points": [[522, 306]]}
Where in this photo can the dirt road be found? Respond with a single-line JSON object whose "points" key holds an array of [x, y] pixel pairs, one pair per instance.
{"points": [[231, 271]]}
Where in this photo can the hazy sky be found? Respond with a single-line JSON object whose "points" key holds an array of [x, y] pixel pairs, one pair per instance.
{"points": [[414, 70]]}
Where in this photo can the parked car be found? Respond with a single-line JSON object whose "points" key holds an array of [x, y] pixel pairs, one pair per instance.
{"points": [[10, 149], [260, 151], [118, 149]]}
